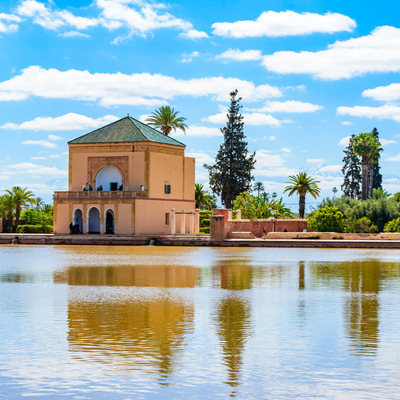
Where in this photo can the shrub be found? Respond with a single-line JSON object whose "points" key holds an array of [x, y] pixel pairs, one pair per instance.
{"points": [[327, 219], [205, 222], [35, 229], [205, 215], [361, 225], [392, 226], [34, 217], [205, 230]]}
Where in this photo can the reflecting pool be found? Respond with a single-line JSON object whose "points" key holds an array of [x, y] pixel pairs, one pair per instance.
{"points": [[188, 322]]}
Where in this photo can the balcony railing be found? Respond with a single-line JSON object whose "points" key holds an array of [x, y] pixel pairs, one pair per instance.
{"points": [[100, 194]]}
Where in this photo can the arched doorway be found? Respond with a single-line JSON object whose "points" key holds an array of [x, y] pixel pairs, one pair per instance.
{"points": [[94, 220], [108, 178], [109, 221], [78, 219]]}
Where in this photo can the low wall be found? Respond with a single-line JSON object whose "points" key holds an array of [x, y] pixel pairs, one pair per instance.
{"points": [[333, 236], [256, 226]]}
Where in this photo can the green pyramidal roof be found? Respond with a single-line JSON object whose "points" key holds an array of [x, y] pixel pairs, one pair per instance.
{"points": [[125, 130]]}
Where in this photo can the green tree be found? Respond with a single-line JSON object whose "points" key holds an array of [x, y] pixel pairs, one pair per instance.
{"points": [[362, 225], [334, 190], [302, 184], [231, 173], [22, 197], [366, 146], [3, 214], [327, 219], [265, 196], [8, 205], [204, 200], [373, 160], [279, 210], [258, 187], [166, 119], [351, 171], [377, 178]]}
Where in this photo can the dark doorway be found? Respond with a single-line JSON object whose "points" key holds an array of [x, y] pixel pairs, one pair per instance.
{"points": [[110, 222], [113, 186]]}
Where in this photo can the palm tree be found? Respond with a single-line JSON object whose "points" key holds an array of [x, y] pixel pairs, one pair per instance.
{"points": [[3, 214], [279, 210], [47, 209], [258, 187], [165, 118], [302, 184], [203, 198], [8, 206], [373, 159], [265, 196], [22, 197], [364, 146]]}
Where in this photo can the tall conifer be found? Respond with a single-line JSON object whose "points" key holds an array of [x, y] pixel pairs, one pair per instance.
{"points": [[231, 173], [377, 181], [351, 171]]}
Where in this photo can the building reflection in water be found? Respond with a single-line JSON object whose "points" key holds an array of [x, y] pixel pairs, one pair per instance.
{"points": [[233, 316], [144, 332]]}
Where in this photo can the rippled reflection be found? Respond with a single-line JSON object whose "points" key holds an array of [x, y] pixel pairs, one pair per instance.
{"points": [[148, 322]]}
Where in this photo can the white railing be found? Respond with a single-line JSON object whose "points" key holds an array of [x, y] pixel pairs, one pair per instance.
{"points": [[101, 194]]}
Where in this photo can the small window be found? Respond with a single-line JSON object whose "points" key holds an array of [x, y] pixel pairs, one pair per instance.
{"points": [[166, 218], [167, 189], [113, 186]]}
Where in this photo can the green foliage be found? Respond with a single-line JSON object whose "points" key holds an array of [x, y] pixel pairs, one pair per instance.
{"points": [[396, 197], [205, 222], [327, 219], [34, 217], [204, 200], [205, 216], [34, 229], [255, 207], [204, 230], [351, 171], [377, 178], [392, 226], [258, 187], [378, 211], [361, 225], [231, 173], [166, 118]]}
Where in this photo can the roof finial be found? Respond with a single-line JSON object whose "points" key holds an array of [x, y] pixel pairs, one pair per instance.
{"points": [[127, 114]]}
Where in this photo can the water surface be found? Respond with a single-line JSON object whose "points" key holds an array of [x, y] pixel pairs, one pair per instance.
{"points": [[177, 322]]}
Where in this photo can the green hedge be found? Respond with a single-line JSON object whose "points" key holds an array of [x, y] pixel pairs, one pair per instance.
{"points": [[392, 226], [205, 230], [35, 229]]}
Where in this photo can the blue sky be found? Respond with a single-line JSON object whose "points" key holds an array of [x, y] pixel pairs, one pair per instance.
{"points": [[310, 73]]}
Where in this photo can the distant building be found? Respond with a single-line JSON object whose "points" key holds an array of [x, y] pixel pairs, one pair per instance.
{"points": [[143, 174]]}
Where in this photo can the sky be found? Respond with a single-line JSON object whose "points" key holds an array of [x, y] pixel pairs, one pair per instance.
{"points": [[310, 74]]}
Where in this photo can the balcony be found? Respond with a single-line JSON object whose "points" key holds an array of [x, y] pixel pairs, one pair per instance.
{"points": [[100, 194]]}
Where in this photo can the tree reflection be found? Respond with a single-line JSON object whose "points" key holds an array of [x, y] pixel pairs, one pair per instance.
{"points": [[233, 319]]}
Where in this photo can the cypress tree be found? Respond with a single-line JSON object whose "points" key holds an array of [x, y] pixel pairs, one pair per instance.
{"points": [[377, 181], [351, 171], [231, 173]]}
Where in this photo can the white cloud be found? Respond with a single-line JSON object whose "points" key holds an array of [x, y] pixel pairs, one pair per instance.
{"points": [[386, 111], [136, 89], [29, 168], [189, 57], [71, 34], [237, 55], [285, 23], [315, 160], [346, 123], [385, 142], [256, 119], [43, 143], [286, 150], [331, 168], [384, 93], [345, 141], [275, 171], [7, 23], [266, 159], [201, 158], [395, 158], [193, 34], [291, 106], [55, 156], [201, 131], [39, 158], [67, 122], [377, 52], [272, 137], [54, 138]]}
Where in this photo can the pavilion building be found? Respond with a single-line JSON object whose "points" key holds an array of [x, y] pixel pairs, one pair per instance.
{"points": [[138, 176]]}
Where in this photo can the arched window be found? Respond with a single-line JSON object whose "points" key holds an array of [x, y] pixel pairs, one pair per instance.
{"points": [[108, 178]]}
